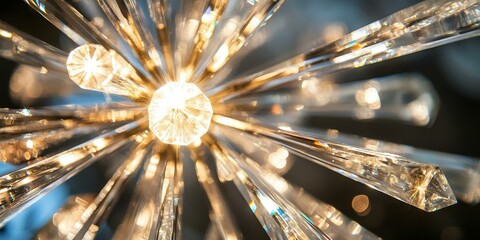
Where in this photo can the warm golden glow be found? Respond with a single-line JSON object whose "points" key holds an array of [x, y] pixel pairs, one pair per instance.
{"points": [[179, 113], [361, 204], [90, 66], [93, 67]]}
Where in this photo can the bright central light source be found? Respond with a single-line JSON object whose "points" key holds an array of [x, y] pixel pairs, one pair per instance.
{"points": [[179, 113]]}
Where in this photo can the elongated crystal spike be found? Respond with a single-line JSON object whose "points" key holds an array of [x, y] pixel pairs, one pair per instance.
{"points": [[425, 25], [158, 214], [23, 48], [334, 223], [107, 113], [143, 218], [172, 207], [29, 146], [279, 218], [179, 113], [225, 27], [99, 209], [463, 173], [220, 214], [93, 67], [22, 187], [153, 24], [409, 98], [83, 22], [421, 185]]}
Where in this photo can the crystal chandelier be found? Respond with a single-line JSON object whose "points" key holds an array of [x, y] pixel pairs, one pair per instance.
{"points": [[163, 67]]}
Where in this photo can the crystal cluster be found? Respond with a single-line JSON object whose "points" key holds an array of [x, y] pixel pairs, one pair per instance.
{"points": [[168, 61]]}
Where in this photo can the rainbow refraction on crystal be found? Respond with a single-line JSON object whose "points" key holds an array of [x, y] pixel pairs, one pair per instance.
{"points": [[169, 65]]}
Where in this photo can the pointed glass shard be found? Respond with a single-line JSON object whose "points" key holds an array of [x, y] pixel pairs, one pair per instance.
{"points": [[30, 146], [425, 25], [93, 67], [335, 224], [157, 214], [154, 24], [143, 217], [172, 207], [179, 113], [103, 113], [21, 188], [99, 209], [279, 218], [224, 28], [84, 22], [421, 185], [463, 173], [23, 48]]}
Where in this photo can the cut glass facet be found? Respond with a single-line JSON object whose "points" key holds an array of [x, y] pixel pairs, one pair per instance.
{"points": [[179, 113]]}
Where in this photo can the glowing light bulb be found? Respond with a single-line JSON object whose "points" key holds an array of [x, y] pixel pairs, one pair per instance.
{"points": [[179, 113]]}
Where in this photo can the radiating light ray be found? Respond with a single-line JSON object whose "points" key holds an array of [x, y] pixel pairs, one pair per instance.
{"points": [[421, 185], [83, 30], [26, 147], [143, 217], [409, 98], [334, 224], [279, 218], [202, 19], [89, 224], [234, 30], [100, 113], [434, 23], [25, 49], [21, 188], [220, 214]]}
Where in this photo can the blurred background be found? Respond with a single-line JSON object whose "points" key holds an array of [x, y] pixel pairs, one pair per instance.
{"points": [[452, 70]]}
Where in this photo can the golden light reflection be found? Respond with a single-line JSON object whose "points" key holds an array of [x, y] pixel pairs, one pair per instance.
{"points": [[278, 159], [63, 221], [68, 158], [361, 205], [321, 91], [368, 96], [5, 34]]}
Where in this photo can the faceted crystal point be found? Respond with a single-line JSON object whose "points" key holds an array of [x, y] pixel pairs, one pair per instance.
{"points": [[90, 66], [179, 113]]}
